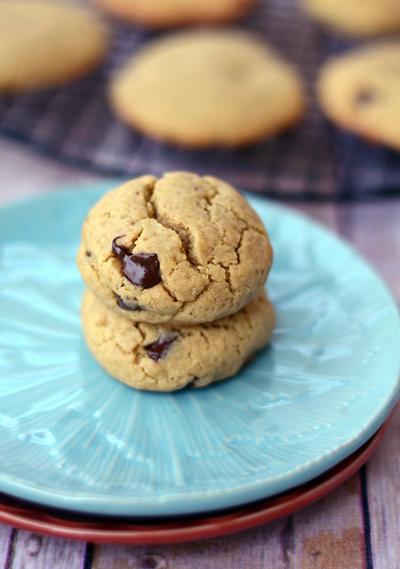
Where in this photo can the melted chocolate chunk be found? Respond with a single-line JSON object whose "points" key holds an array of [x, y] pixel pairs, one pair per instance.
{"points": [[159, 348], [192, 383], [122, 304], [142, 269], [88, 254], [118, 250], [365, 97]]}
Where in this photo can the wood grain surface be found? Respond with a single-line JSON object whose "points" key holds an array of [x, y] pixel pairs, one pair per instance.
{"points": [[355, 527]]}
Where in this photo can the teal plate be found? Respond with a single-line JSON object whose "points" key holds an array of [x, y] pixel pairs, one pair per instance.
{"points": [[74, 438]]}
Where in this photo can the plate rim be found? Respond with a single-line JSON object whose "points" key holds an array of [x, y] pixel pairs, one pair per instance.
{"points": [[246, 517]]}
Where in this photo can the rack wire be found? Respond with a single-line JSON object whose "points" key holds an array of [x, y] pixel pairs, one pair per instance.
{"points": [[311, 161]]}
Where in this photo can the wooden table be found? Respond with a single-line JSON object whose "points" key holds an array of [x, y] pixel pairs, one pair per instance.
{"points": [[355, 527]]}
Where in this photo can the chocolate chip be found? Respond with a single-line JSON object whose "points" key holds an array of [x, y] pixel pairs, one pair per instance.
{"points": [[122, 304], [249, 359], [119, 250], [365, 97], [159, 348], [88, 254], [192, 383], [142, 269]]}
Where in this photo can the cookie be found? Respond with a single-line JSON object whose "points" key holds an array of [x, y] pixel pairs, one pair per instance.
{"points": [[46, 44], [182, 249], [208, 88], [169, 13], [360, 92], [356, 17], [160, 358]]}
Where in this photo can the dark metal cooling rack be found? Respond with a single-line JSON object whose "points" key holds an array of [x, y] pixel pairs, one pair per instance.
{"points": [[312, 161]]}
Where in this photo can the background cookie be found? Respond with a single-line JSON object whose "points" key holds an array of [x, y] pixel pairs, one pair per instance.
{"points": [[167, 13], [208, 88], [360, 91], [356, 17], [159, 358], [45, 44], [181, 249]]}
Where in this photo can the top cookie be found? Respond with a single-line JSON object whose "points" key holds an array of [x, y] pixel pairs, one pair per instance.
{"points": [[169, 13], [182, 249], [46, 44], [360, 91], [208, 88], [357, 17]]}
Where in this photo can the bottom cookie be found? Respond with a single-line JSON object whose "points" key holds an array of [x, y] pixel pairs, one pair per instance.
{"points": [[166, 358]]}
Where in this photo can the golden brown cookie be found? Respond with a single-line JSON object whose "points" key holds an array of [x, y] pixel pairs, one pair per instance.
{"points": [[46, 44], [360, 92], [182, 249], [208, 88], [169, 13], [356, 17], [160, 358]]}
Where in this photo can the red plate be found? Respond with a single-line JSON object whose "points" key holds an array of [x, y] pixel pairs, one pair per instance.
{"points": [[109, 531]]}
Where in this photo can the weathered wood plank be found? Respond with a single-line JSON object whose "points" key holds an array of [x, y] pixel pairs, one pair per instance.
{"points": [[250, 549], [374, 229], [23, 173], [329, 534], [35, 551], [5, 543], [383, 483], [325, 535]]}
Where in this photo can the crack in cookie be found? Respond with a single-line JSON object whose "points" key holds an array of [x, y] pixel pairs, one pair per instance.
{"points": [[198, 236]]}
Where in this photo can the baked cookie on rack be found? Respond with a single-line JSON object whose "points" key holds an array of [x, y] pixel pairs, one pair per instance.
{"points": [[208, 88], [170, 13], [182, 249], [45, 44], [360, 92], [356, 17]]}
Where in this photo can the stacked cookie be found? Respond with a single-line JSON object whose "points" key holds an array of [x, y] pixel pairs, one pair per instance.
{"points": [[175, 269]]}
